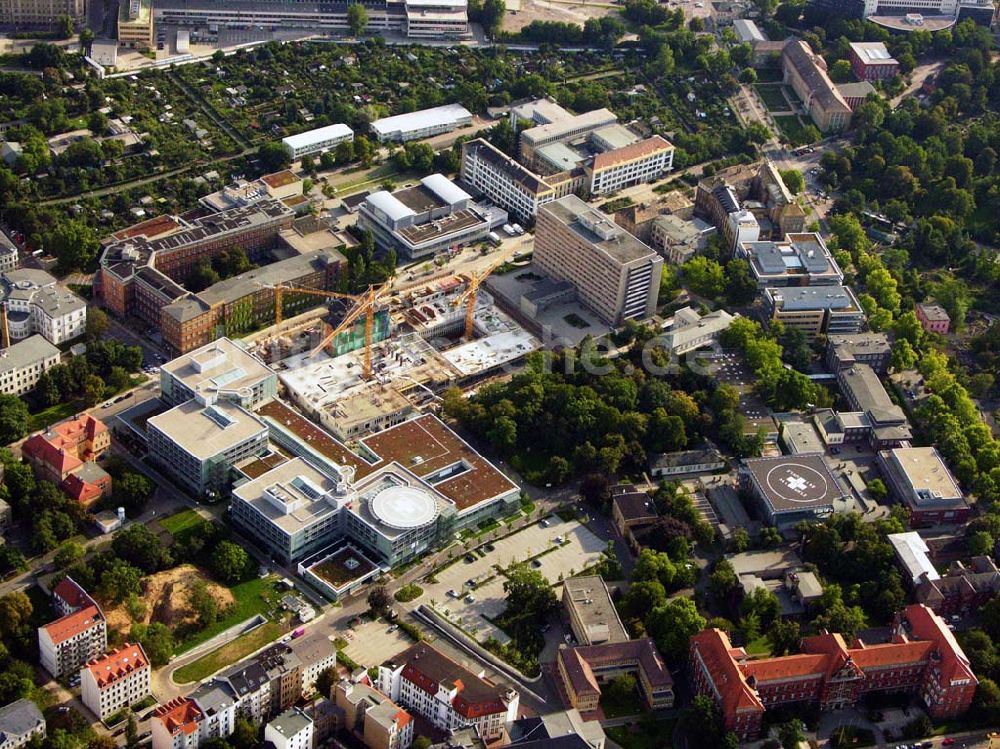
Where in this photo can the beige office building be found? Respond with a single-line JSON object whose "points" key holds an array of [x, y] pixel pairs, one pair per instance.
{"points": [[135, 24], [41, 13], [614, 274]]}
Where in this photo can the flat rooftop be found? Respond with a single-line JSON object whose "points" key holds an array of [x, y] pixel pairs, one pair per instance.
{"points": [[448, 114], [483, 354], [791, 483], [215, 366], [926, 472], [292, 495], [588, 596], [586, 221], [425, 446], [567, 126], [810, 298], [207, 431]]}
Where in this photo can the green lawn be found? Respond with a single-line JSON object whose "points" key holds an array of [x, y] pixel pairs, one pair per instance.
{"points": [[229, 653], [761, 646], [793, 129], [769, 75], [53, 415], [645, 735], [772, 98], [252, 597], [180, 522], [617, 708]]}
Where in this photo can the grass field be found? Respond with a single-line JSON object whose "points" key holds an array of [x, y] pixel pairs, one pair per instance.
{"points": [[793, 130], [252, 597], [229, 653], [772, 97], [180, 522], [761, 646], [617, 708]]}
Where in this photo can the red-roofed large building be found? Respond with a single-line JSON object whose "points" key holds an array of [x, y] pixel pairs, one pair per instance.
{"points": [[922, 657], [115, 680], [69, 449], [79, 634], [450, 696], [177, 724]]}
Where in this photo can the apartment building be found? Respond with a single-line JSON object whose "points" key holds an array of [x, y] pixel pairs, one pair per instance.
{"points": [[427, 218], [246, 302], [176, 724], [199, 444], [143, 266], [918, 478], [805, 72], [8, 254], [815, 310], [20, 722], [513, 187], [41, 14], [614, 274], [217, 703], [920, 656], [22, 364], [293, 729], [36, 304], [426, 681], [583, 670], [422, 124], [115, 680], [250, 685], [372, 717], [317, 141], [78, 635]]}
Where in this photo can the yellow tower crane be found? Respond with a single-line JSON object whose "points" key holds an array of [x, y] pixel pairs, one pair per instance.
{"points": [[470, 295], [366, 304]]}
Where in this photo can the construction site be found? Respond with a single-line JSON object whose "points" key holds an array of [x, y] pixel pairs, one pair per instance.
{"points": [[390, 353]]}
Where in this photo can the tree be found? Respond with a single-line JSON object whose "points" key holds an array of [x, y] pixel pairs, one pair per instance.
{"points": [[980, 543], [69, 554], [704, 276], [97, 323], [723, 581], [421, 742], [73, 243], [672, 626], [132, 491], [11, 559], [783, 636], [14, 418], [763, 604], [741, 288], [986, 703], [156, 639], [64, 27], [793, 180], [131, 731], [379, 600], [878, 490], [246, 734], [120, 581], [230, 562], [86, 38], [903, 355], [204, 604], [840, 71], [93, 390], [274, 156], [790, 734], [325, 682], [15, 613], [621, 689], [357, 18], [141, 548]]}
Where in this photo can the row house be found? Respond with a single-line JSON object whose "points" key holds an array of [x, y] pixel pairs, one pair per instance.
{"points": [[115, 680], [78, 635]]}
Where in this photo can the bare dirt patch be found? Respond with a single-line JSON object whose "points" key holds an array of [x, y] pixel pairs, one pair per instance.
{"points": [[566, 12], [167, 596]]}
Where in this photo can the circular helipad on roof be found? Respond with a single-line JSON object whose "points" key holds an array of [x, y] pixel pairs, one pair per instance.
{"points": [[797, 483], [404, 507]]}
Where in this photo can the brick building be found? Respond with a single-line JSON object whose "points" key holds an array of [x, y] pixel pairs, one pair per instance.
{"points": [[582, 670], [921, 657], [871, 61]]}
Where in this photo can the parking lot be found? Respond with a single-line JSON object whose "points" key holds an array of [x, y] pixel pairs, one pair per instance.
{"points": [[470, 606], [372, 643]]}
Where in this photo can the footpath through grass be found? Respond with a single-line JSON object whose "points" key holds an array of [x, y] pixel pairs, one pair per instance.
{"points": [[253, 597], [229, 653]]}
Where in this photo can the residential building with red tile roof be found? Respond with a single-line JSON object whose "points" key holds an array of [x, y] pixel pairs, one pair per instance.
{"points": [[87, 485], [70, 448], [78, 635], [445, 693], [176, 724], [922, 657], [582, 670], [115, 680]]}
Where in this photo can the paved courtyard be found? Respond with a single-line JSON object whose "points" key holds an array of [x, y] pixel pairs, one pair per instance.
{"points": [[371, 643], [580, 549]]}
